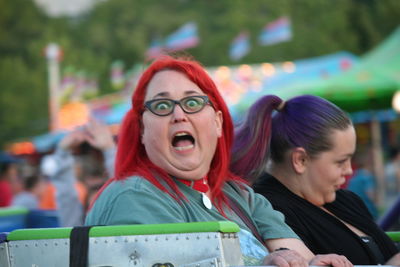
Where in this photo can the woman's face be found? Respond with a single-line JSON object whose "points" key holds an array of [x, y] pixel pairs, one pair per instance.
{"points": [[326, 173], [182, 144]]}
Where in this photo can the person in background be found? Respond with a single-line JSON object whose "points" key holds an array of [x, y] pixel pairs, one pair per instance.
{"points": [[34, 187], [363, 182], [172, 167], [392, 176], [65, 169], [9, 176], [297, 153]]}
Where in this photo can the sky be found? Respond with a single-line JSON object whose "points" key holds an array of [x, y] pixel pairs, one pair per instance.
{"points": [[57, 8]]}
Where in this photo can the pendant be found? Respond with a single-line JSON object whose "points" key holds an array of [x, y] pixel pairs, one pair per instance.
{"points": [[206, 201]]}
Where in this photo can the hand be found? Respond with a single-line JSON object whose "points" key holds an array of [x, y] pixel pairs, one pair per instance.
{"points": [[73, 139], [285, 258], [99, 135], [331, 260]]}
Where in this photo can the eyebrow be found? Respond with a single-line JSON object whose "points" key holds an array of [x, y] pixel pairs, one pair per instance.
{"points": [[349, 155], [167, 94]]}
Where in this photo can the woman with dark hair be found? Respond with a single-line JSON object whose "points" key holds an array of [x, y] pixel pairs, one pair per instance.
{"points": [[172, 167], [297, 154]]}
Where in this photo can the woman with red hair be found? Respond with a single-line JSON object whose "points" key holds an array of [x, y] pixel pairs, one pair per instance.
{"points": [[172, 167]]}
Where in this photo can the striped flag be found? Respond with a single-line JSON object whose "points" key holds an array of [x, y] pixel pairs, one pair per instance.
{"points": [[240, 46], [155, 49], [275, 32], [185, 37]]}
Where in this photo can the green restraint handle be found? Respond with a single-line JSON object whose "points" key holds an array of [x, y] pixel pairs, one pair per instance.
{"points": [[13, 211], [122, 230], [395, 236]]}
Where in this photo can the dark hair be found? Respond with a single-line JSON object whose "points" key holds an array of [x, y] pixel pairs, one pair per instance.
{"points": [[304, 121], [31, 181], [4, 166]]}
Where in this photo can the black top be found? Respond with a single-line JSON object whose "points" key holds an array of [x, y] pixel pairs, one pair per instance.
{"points": [[323, 233]]}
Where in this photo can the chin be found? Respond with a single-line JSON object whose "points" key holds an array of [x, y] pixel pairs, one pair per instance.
{"points": [[187, 174], [331, 198]]}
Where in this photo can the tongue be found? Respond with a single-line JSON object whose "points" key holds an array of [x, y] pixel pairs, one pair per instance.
{"points": [[183, 143]]}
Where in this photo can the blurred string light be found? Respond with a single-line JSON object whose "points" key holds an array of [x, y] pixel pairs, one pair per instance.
{"points": [[268, 69], [289, 67], [223, 73], [245, 71], [396, 101]]}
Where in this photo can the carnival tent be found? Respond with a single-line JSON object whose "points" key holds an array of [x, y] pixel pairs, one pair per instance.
{"points": [[369, 85]]}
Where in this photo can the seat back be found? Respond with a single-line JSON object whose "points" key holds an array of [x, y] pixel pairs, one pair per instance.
{"points": [[12, 218]]}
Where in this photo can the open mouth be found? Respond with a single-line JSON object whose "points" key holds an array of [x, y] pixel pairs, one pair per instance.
{"points": [[183, 141]]}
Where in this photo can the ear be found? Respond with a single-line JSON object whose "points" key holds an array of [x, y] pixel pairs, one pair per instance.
{"points": [[219, 122], [299, 160]]}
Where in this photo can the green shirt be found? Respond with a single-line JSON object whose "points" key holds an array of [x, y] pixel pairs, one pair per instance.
{"points": [[137, 201]]}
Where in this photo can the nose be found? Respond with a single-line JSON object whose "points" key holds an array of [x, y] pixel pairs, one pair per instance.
{"points": [[178, 114], [348, 169]]}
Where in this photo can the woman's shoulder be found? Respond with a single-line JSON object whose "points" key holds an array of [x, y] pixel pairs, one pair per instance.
{"points": [[268, 186], [131, 184], [134, 182], [122, 198]]}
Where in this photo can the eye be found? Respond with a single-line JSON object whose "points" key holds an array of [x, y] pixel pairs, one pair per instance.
{"points": [[343, 161], [162, 105], [193, 103]]}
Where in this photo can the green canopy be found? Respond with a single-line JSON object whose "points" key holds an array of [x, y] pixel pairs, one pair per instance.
{"points": [[369, 85]]}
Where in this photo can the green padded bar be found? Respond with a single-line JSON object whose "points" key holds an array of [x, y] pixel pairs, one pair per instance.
{"points": [[39, 233], [395, 236], [169, 228], [122, 230], [12, 211]]}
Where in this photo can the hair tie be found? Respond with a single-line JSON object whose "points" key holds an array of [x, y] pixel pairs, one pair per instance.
{"points": [[281, 106]]}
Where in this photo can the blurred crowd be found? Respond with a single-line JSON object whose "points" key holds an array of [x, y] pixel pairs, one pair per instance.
{"points": [[65, 180]]}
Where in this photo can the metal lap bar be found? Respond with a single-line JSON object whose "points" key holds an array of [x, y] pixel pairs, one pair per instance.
{"points": [[162, 245]]}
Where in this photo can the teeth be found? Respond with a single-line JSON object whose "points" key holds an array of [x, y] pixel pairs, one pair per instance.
{"points": [[184, 147], [181, 134]]}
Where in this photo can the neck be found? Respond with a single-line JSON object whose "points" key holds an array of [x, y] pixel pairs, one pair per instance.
{"points": [[298, 184], [200, 185], [286, 177]]}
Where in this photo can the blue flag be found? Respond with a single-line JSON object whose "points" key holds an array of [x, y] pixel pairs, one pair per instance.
{"points": [[240, 46], [275, 32], [185, 37]]}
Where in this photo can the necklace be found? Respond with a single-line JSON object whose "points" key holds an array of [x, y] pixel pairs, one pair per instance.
{"points": [[201, 186]]}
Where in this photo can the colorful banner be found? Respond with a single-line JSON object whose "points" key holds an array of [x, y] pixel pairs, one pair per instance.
{"points": [[185, 37], [275, 32], [155, 49], [240, 46]]}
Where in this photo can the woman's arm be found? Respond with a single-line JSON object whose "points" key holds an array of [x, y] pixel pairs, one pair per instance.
{"points": [[288, 252], [290, 243]]}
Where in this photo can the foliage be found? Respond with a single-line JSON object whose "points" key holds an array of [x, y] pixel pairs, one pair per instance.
{"points": [[123, 29]]}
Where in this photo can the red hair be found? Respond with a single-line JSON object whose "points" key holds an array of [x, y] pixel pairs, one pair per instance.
{"points": [[131, 155]]}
